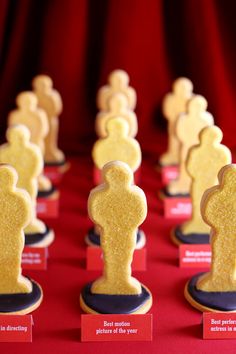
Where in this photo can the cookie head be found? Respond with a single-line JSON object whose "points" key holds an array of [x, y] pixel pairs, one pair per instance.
{"points": [[197, 104], [117, 173], [18, 134], [118, 79], [8, 177], [183, 86], [27, 100], [42, 83], [118, 127], [117, 102], [227, 178], [211, 135]]}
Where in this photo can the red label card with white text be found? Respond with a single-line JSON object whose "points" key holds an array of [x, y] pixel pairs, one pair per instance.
{"points": [[177, 208], [95, 259], [194, 256], [34, 258], [47, 208], [100, 328], [16, 328], [168, 173], [219, 325], [53, 173]]}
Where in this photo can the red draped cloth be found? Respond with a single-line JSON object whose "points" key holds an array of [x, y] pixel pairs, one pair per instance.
{"points": [[78, 42]]}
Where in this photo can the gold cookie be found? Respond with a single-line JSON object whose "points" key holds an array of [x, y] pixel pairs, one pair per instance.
{"points": [[188, 127], [34, 118], [27, 159], [117, 146], [218, 209], [50, 100], [118, 82], [21, 295], [175, 103], [118, 208], [15, 215], [203, 164], [216, 290], [117, 106]]}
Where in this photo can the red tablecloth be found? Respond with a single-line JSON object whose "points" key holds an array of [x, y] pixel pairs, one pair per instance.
{"points": [[177, 326]]}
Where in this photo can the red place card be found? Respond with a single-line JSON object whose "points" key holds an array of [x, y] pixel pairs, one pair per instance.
{"points": [[47, 207], [194, 256], [16, 328], [53, 173], [168, 173], [219, 325], [100, 328], [95, 259], [34, 258], [177, 208]]}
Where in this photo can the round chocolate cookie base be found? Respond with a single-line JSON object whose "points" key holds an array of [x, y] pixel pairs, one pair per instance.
{"points": [[93, 239], [115, 304], [43, 239], [163, 193], [222, 301], [21, 304], [179, 238], [62, 165], [47, 193]]}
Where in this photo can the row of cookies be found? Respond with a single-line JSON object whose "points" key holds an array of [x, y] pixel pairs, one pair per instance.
{"points": [[207, 173], [31, 143], [116, 206]]}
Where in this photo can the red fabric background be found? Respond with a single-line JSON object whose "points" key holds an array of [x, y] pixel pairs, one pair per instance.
{"points": [[79, 42]]}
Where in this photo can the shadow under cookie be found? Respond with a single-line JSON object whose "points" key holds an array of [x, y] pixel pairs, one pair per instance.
{"points": [[222, 301], [43, 239], [115, 304], [163, 193], [22, 303], [179, 238]]}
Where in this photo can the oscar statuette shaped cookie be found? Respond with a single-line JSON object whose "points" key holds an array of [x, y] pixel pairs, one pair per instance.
{"points": [[118, 82], [50, 101], [27, 159], [118, 207], [116, 146], [18, 295], [216, 290], [35, 119], [203, 164], [117, 106], [188, 127], [174, 104]]}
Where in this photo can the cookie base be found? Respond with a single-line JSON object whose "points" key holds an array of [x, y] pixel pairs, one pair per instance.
{"points": [[40, 239], [115, 304], [178, 238], [21, 304], [62, 165], [93, 239], [163, 193], [48, 193], [224, 301]]}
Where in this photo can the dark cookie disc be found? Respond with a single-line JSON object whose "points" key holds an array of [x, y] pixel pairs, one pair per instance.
{"points": [[31, 239], [55, 163], [114, 304], [191, 239], [19, 302], [94, 238], [165, 193], [46, 193], [220, 301]]}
